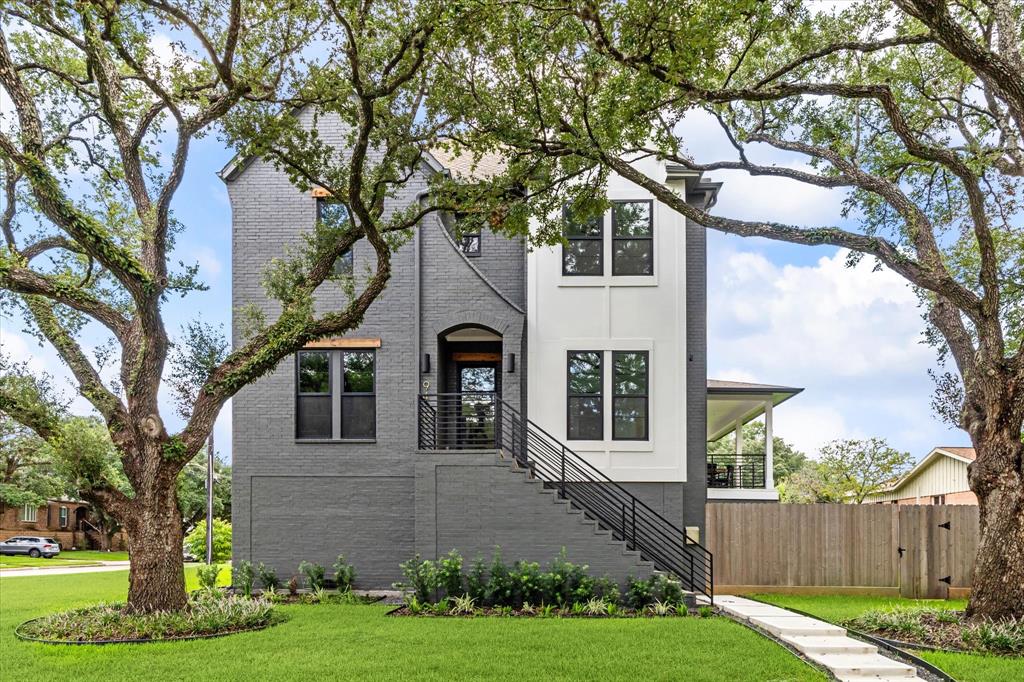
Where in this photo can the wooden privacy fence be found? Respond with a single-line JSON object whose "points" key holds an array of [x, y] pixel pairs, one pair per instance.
{"points": [[911, 550]]}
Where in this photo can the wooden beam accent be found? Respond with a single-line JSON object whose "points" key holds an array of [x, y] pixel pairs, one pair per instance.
{"points": [[476, 357], [320, 193], [342, 342]]}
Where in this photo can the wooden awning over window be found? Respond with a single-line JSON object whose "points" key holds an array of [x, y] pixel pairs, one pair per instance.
{"points": [[344, 342]]}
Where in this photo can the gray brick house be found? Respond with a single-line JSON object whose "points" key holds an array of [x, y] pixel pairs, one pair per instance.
{"points": [[495, 395]]}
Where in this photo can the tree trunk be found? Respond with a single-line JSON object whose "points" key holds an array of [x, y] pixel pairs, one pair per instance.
{"points": [[157, 575], [997, 478]]}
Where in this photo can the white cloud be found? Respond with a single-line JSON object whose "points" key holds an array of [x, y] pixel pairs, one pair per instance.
{"points": [[209, 264], [850, 336]]}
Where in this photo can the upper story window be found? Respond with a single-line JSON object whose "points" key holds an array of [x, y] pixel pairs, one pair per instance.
{"points": [[583, 253], [632, 238], [333, 213], [28, 513], [470, 244], [630, 395], [585, 382], [336, 395]]}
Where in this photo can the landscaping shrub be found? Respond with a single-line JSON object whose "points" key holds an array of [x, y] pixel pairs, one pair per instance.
{"points": [[207, 574], [207, 613], [421, 579], [449, 575], [476, 581], [268, 577], [293, 585], [944, 628], [344, 574], [195, 542], [314, 574], [243, 577], [442, 588]]}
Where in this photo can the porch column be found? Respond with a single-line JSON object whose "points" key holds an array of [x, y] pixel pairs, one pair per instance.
{"points": [[769, 447], [739, 437]]}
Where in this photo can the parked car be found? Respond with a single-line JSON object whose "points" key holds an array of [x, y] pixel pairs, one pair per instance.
{"points": [[31, 545]]}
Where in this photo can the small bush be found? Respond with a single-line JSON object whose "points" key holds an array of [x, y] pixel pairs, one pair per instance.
{"points": [[476, 581], [705, 612], [420, 579], [268, 577], [607, 589], [314, 574], [344, 574], [565, 582], [449, 575], [500, 586], [527, 584], [639, 594], [195, 542], [293, 585], [243, 577], [207, 574], [463, 606], [660, 608]]}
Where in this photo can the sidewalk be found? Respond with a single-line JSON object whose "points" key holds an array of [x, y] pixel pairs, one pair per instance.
{"points": [[98, 567]]}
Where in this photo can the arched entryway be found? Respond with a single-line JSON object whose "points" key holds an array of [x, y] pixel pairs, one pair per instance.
{"points": [[469, 378]]}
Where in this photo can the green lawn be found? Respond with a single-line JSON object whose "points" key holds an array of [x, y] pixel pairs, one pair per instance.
{"points": [[68, 558], [964, 667], [361, 643]]}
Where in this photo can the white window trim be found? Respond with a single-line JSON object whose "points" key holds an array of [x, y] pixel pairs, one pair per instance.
{"points": [[607, 280], [608, 445], [29, 514]]}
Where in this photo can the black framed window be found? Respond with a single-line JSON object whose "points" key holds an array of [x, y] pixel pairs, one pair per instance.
{"points": [[583, 252], [632, 238], [358, 394], [313, 399], [336, 395], [585, 384], [334, 214], [630, 395], [470, 244]]}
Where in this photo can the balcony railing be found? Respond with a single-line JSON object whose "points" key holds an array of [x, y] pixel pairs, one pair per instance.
{"points": [[736, 471]]}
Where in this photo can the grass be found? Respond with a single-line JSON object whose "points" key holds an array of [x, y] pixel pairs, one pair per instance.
{"points": [[68, 558], [361, 642], [964, 667]]}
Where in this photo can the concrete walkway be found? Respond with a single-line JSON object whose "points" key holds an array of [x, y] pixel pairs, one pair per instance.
{"points": [[98, 567], [850, 660]]}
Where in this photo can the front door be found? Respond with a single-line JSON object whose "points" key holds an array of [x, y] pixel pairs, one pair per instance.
{"points": [[479, 387]]}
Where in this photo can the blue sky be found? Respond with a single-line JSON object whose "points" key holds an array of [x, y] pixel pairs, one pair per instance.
{"points": [[778, 313]]}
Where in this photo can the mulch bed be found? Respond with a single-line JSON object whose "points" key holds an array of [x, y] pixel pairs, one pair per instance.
{"points": [[493, 612], [935, 634]]}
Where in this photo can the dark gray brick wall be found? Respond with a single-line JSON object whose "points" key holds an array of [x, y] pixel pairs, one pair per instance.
{"points": [[695, 490], [473, 502]]}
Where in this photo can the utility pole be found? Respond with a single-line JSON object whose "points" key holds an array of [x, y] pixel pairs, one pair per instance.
{"points": [[209, 499]]}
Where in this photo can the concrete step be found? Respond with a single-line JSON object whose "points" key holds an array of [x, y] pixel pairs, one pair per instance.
{"points": [[863, 666], [829, 645], [795, 625]]}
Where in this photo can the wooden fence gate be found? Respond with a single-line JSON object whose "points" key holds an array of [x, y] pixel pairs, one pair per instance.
{"points": [[937, 545], [915, 551]]}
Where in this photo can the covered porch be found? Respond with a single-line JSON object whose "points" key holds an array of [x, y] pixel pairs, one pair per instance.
{"points": [[744, 473]]}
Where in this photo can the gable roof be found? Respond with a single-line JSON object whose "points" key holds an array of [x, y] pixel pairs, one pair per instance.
{"points": [[959, 453]]}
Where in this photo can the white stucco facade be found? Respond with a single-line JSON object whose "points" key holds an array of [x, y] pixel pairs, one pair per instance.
{"points": [[615, 313]]}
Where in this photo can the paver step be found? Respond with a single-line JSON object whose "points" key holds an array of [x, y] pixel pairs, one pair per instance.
{"points": [[796, 625], [829, 645], [866, 678], [863, 666]]}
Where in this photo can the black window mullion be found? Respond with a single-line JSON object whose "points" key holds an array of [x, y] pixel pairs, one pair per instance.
{"points": [[617, 239], [349, 398]]}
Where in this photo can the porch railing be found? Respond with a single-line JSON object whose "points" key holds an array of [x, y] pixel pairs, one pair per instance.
{"points": [[736, 471], [482, 421]]}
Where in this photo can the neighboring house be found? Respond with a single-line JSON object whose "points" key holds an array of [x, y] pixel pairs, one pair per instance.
{"points": [[489, 384], [939, 478], [63, 520]]}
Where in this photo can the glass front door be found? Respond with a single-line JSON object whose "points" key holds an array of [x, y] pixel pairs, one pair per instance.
{"points": [[478, 392]]}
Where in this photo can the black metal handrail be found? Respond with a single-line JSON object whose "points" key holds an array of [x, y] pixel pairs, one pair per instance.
{"points": [[442, 425], [746, 470]]}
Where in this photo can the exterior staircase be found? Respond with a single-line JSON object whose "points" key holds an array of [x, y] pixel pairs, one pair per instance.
{"points": [[482, 421]]}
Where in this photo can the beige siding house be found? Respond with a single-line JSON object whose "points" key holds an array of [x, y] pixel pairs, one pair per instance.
{"points": [[939, 478]]}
